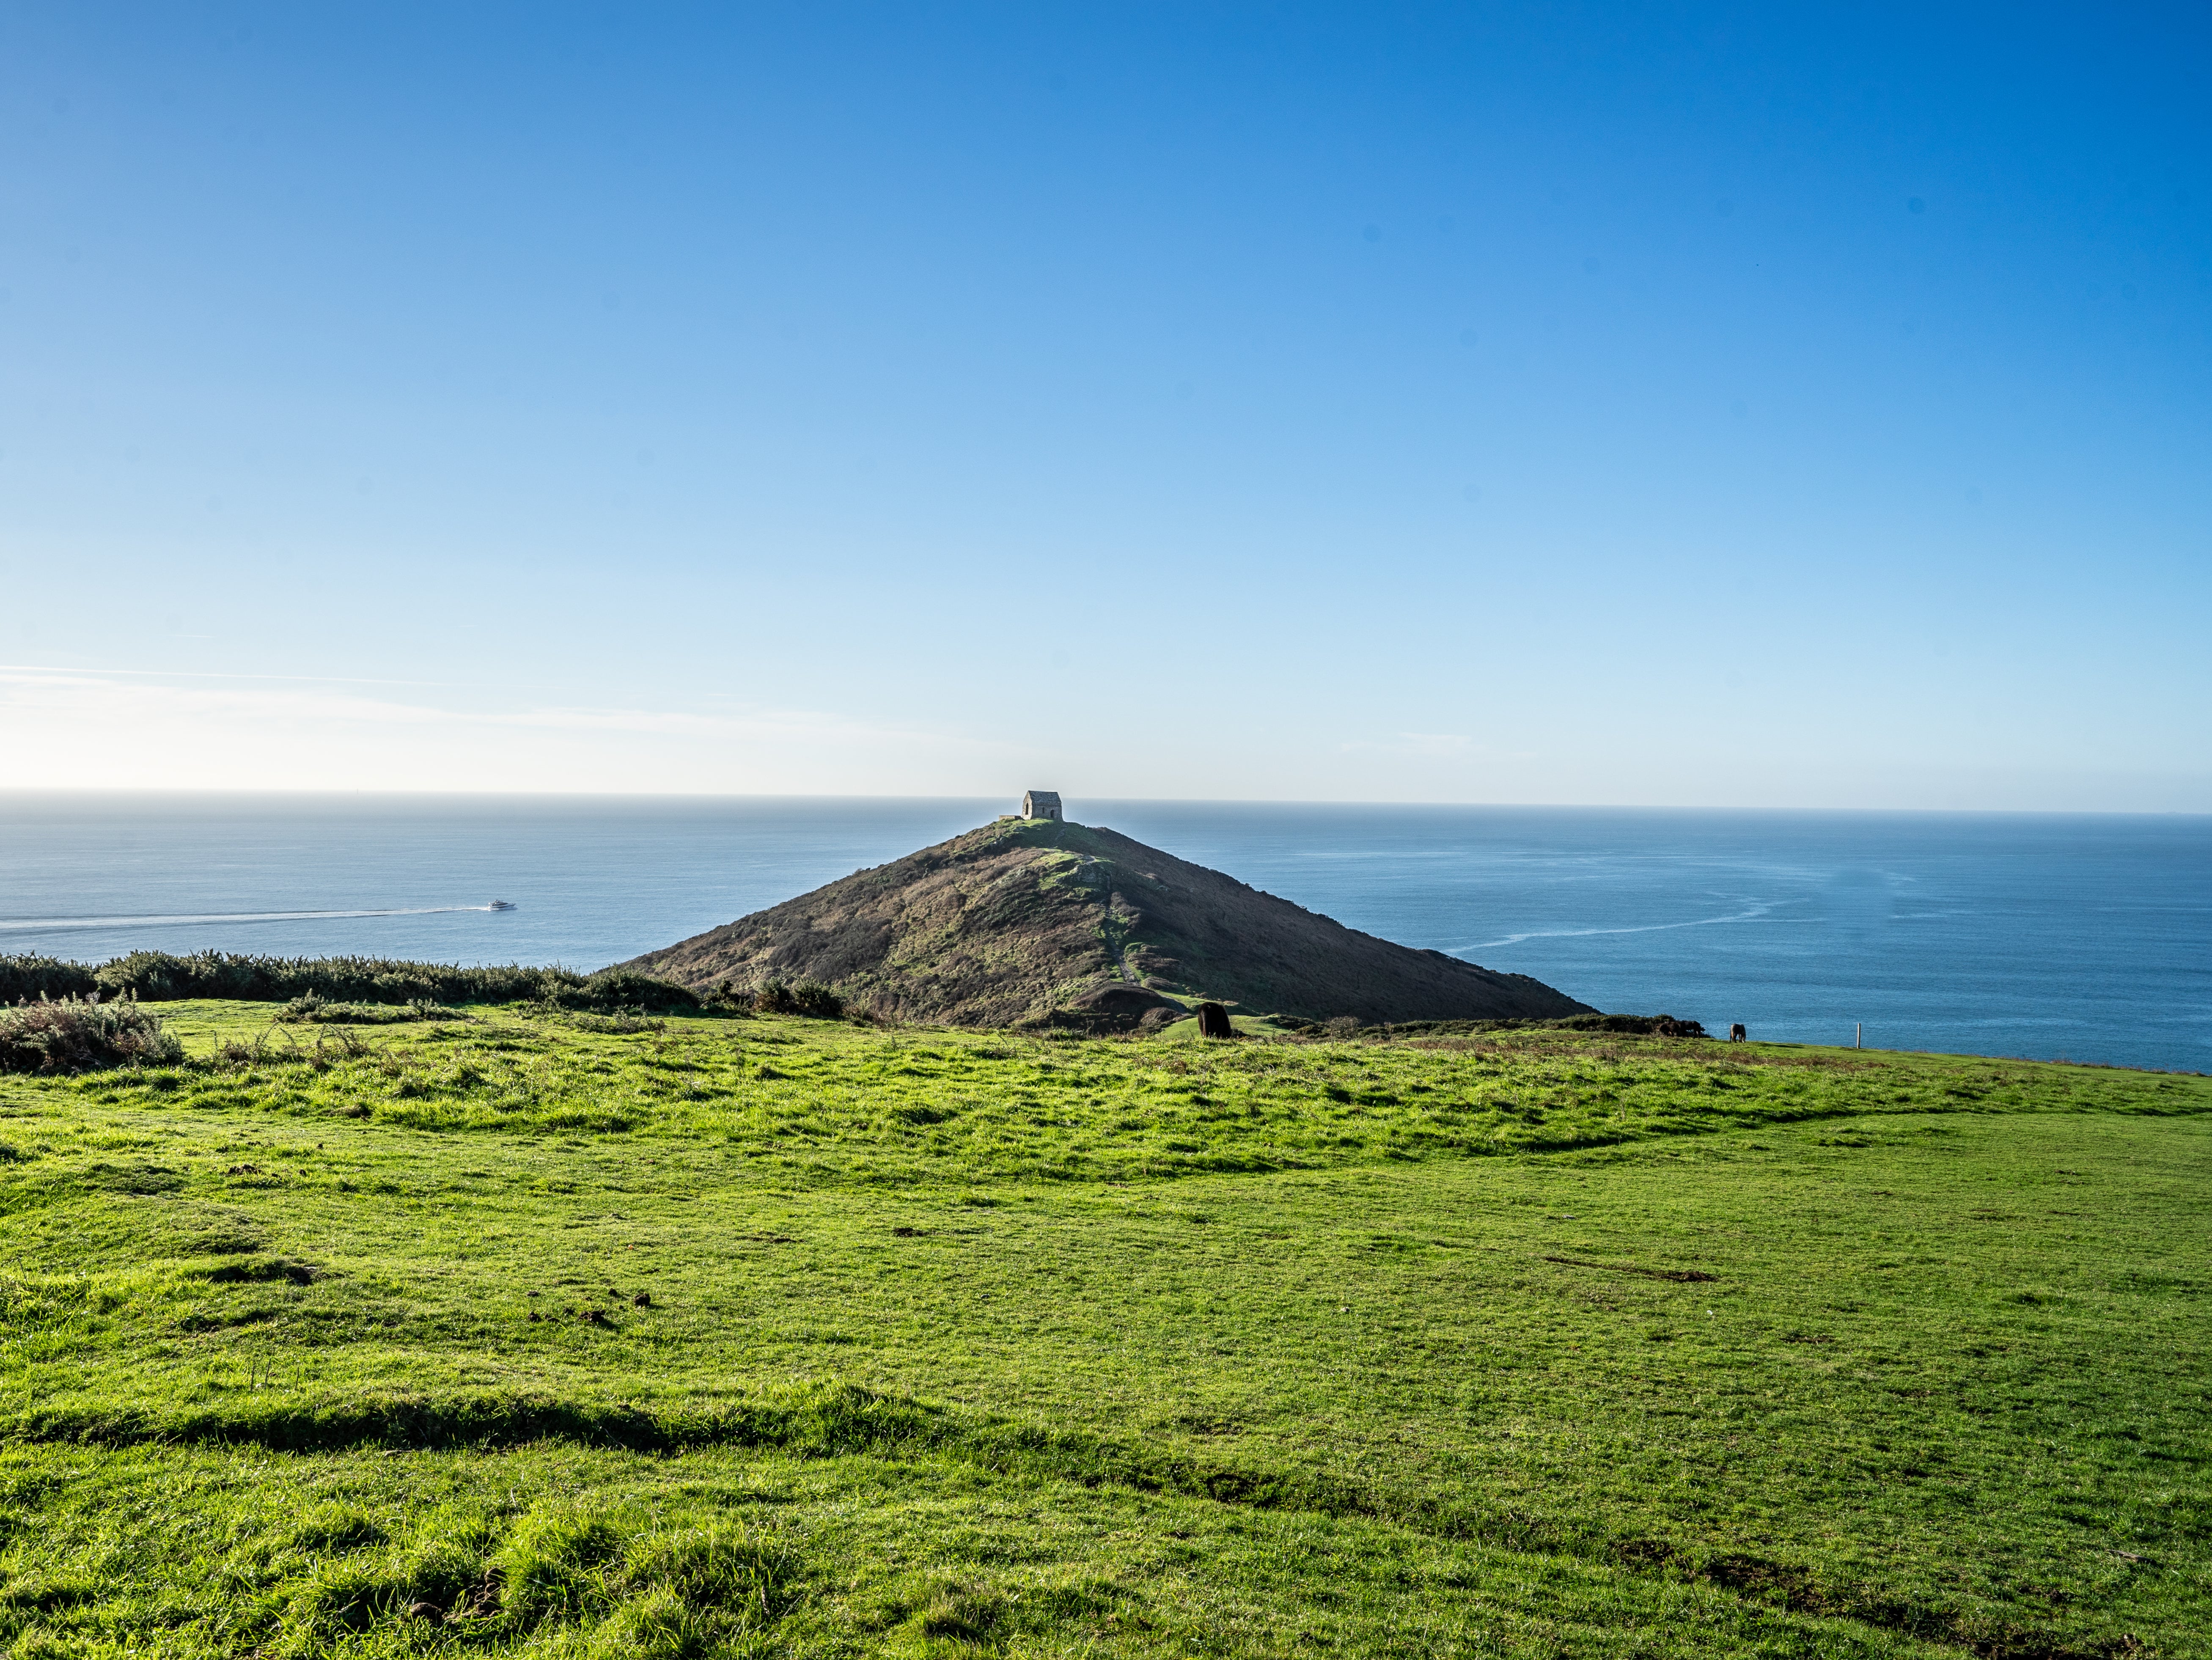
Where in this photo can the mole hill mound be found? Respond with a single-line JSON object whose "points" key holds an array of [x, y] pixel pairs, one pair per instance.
{"points": [[1030, 922]]}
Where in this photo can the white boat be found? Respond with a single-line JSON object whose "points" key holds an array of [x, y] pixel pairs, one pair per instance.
{"points": [[501, 905]]}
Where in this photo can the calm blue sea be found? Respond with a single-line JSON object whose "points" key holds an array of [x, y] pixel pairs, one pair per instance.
{"points": [[2041, 935]]}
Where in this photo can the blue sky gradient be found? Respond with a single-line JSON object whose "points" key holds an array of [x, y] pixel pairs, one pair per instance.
{"points": [[1580, 404]]}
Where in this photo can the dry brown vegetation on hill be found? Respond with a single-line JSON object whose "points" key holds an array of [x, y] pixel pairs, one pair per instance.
{"points": [[1029, 921]]}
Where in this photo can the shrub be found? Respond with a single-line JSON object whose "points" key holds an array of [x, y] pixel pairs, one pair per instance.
{"points": [[156, 976], [1636, 1026], [333, 988], [809, 997], [614, 1024], [27, 979], [308, 1006], [311, 1008], [726, 997], [1647, 1025], [77, 1035], [616, 989]]}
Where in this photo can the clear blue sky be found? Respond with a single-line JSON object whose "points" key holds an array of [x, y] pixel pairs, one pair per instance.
{"points": [[1625, 404]]}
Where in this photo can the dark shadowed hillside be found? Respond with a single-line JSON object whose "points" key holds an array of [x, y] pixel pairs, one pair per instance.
{"points": [[1031, 921]]}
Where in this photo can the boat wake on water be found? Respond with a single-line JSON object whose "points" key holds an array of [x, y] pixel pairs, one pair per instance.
{"points": [[24, 925], [1757, 910]]}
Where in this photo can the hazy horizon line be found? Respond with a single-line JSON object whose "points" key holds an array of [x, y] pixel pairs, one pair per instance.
{"points": [[173, 793]]}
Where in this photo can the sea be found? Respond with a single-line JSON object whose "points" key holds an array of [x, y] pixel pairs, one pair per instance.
{"points": [[2087, 938]]}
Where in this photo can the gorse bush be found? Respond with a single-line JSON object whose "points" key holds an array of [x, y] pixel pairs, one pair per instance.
{"points": [[27, 979], [156, 976], [1646, 1025], [618, 988], [77, 1035], [312, 1008], [809, 997], [1630, 1025], [354, 990]]}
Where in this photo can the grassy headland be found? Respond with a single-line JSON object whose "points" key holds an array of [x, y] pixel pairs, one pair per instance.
{"points": [[542, 1332], [1034, 922]]}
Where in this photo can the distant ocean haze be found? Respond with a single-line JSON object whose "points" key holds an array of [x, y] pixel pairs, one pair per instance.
{"points": [[2086, 936]]}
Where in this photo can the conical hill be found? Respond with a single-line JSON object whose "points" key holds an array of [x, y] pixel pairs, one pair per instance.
{"points": [[1034, 921]]}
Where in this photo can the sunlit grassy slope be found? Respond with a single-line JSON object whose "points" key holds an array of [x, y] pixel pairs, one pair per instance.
{"points": [[770, 1336]]}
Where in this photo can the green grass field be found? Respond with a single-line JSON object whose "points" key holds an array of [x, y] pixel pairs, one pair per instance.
{"points": [[529, 1334]]}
